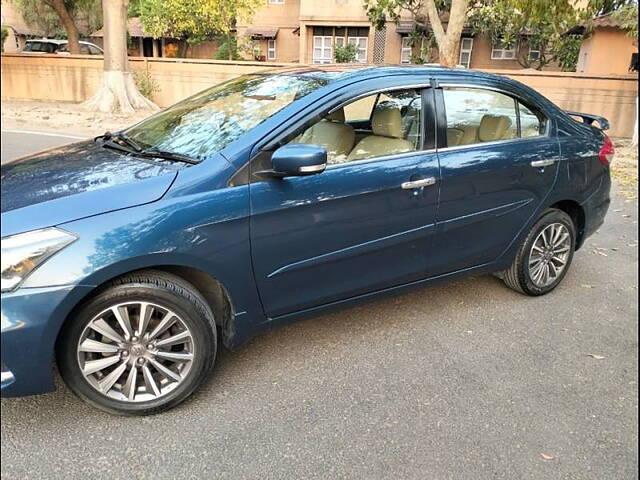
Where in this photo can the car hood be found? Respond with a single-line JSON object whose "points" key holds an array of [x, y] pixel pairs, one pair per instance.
{"points": [[75, 181]]}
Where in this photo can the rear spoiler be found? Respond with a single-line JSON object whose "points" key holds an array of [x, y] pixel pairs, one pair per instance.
{"points": [[589, 119]]}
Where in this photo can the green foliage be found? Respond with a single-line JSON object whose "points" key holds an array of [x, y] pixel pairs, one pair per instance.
{"points": [[229, 49], [627, 16], [87, 15], [146, 84], [346, 53], [5, 33], [537, 24], [195, 20]]}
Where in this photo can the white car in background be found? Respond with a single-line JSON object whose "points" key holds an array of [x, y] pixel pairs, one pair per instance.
{"points": [[61, 47]]}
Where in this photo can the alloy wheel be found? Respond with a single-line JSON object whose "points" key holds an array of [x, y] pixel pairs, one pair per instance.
{"points": [[549, 254], [135, 352]]}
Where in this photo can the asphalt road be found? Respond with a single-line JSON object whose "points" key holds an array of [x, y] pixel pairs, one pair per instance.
{"points": [[463, 380], [16, 143]]}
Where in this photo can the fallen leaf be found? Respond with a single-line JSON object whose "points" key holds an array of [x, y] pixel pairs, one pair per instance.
{"points": [[593, 355], [547, 457]]}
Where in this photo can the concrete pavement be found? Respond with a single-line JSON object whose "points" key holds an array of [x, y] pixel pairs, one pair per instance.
{"points": [[463, 380]]}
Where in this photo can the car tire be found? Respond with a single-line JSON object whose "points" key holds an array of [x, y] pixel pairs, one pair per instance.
{"points": [[527, 272], [171, 343]]}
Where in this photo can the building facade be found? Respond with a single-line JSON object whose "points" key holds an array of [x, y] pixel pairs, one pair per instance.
{"points": [[607, 49], [307, 31]]}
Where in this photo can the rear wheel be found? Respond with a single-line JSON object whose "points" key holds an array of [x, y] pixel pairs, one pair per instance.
{"points": [[140, 346], [545, 255]]}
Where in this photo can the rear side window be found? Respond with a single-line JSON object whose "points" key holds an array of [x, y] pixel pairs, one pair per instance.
{"points": [[531, 124], [476, 116]]}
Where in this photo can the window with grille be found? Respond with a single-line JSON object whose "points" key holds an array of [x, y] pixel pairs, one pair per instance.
{"points": [[271, 49], [466, 46], [322, 49], [405, 50], [500, 51]]}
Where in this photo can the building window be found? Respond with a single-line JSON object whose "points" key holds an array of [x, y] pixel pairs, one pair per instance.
{"points": [[534, 54], [322, 49], [500, 51], [633, 67], [466, 45], [271, 49], [405, 50], [361, 44], [276, 2]]}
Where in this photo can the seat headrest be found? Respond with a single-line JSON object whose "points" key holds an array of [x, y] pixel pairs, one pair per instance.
{"points": [[493, 127], [336, 116], [387, 120]]}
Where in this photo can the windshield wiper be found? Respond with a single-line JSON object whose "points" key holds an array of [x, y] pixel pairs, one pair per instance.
{"points": [[121, 139], [154, 152]]}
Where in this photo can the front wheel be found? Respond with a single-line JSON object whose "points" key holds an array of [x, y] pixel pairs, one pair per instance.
{"points": [[545, 255], [140, 346]]}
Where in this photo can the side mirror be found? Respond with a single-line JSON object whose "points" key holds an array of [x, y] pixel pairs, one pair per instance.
{"points": [[296, 160]]}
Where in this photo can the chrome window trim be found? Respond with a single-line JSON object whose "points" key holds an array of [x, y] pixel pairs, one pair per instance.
{"points": [[394, 156], [494, 142]]}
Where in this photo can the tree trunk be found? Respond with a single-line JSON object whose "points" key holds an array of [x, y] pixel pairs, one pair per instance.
{"points": [[118, 91], [449, 41], [68, 24]]}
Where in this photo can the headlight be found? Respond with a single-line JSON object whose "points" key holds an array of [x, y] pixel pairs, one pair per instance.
{"points": [[24, 252]]}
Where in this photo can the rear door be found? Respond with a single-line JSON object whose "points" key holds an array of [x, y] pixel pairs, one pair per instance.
{"points": [[498, 163]]}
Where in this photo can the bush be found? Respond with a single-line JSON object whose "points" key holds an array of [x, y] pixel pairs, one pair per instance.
{"points": [[146, 84], [345, 53], [5, 34], [223, 50]]}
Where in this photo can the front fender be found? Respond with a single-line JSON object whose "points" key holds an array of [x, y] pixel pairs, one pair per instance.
{"points": [[206, 231]]}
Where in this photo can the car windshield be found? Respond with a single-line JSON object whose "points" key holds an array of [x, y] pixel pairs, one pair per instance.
{"points": [[210, 120]]}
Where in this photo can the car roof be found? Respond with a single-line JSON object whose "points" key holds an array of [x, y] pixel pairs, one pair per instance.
{"points": [[335, 72], [56, 41]]}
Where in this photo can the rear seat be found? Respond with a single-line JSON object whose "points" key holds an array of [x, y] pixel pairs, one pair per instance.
{"points": [[491, 128]]}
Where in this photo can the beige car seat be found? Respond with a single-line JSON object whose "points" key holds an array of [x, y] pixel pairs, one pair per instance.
{"points": [[494, 127], [491, 128], [386, 124], [462, 135], [332, 134]]}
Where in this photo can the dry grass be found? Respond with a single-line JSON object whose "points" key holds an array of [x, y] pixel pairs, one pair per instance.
{"points": [[624, 168]]}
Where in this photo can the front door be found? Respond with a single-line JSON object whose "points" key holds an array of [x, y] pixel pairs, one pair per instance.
{"points": [[359, 226]]}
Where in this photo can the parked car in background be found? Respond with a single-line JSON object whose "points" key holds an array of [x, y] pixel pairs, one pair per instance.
{"points": [[273, 197], [48, 45]]}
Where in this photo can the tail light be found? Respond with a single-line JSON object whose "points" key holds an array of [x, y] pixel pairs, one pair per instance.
{"points": [[606, 152]]}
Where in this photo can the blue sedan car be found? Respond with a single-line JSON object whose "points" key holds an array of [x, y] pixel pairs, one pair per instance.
{"points": [[273, 197]]}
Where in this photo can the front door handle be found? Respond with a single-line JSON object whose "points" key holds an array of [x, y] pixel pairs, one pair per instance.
{"points": [[543, 163], [424, 182]]}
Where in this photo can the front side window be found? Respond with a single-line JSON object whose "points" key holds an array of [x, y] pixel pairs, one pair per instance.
{"points": [[210, 120], [42, 47], [502, 51], [374, 126], [477, 115]]}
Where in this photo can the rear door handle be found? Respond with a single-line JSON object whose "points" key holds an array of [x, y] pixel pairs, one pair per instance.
{"points": [[543, 163], [424, 182]]}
